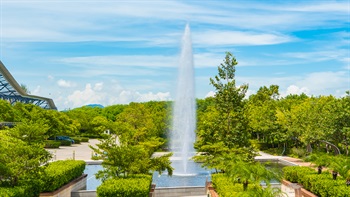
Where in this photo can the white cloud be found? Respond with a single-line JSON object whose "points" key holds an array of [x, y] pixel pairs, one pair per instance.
{"points": [[65, 84], [293, 89], [315, 56], [94, 93], [317, 83], [98, 86], [210, 94], [122, 60], [214, 37], [60, 21]]}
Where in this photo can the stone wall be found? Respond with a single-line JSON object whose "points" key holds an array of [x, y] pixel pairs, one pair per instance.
{"points": [[179, 191]]}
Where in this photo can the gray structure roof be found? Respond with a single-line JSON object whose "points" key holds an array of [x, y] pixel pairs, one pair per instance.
{"points": [[11, 91]]}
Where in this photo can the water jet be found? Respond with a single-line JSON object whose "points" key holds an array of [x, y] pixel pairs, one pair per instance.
{"points": [[183, 135]]}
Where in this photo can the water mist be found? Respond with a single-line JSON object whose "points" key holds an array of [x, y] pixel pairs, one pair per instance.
{"points": [[184, 111]]}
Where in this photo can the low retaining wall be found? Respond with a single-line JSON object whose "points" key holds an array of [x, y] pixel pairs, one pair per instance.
{"points": [[75, 185], [306, 193], [84, 193], [278, 160], [179, 191], [295, 190]]}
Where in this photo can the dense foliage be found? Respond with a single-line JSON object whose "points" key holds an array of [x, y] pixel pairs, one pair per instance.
{"points": [[18, 191], [225, 187], [132, 186], [319, 184], [58, 173]]}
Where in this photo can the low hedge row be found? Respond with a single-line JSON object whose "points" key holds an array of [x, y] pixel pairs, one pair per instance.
{"points": [[59, 173], [84, 139], [320, 184], [52, 144], [65, 143], [133, 186], [77, 140]]}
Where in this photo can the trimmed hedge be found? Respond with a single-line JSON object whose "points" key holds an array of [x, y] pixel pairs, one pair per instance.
{"points": [[319, 184], [65, 143], [52, 144], [84, 139], [77, 140], [133, 186], [59, 173]]}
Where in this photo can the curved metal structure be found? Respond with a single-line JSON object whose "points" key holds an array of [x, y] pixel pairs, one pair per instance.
{"points": [[11, 91]]}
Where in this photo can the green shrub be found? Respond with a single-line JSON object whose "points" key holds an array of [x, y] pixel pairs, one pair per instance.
{"points": [[77, 140], [134, 186], [84, 139], [18, 191], [298, 152], [59, 173], [294, 173], [65, 143], [90, 135], [319, 184], [225, 187], [52, 144]]}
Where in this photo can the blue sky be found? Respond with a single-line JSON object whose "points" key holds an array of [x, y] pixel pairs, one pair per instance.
{"points": [[112, 52]]}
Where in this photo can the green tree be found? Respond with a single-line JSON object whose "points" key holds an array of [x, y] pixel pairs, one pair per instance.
{"points": [[135, 124], [25, 88], [222, 128], [249, 172], [7, 114], [19, 161], [342, 134], [261, 113], [111, 112], [122, 159], [100, 124], [229, 103], [32, 133]]}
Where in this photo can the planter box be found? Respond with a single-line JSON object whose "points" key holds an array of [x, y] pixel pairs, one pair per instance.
{"points": [[75, 185], [295, 190]]}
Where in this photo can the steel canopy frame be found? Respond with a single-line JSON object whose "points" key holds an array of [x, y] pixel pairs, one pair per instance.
{"points": [[11, 91]]}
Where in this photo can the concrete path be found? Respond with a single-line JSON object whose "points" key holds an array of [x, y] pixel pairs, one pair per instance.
{"points": [[296, 161], [84, 152], [76, 151]]}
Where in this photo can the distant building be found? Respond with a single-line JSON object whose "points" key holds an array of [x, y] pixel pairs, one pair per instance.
{"points": [[12, 92]]}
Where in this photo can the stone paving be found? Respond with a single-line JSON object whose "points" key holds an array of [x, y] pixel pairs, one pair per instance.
{"points": [[76, 151], [295, 161]]}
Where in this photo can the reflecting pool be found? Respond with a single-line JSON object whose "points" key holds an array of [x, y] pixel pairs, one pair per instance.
{"points": [[92, 183], [197, 178]]}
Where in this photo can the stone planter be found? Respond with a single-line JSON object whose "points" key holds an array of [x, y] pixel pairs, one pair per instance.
{"points": [[75, 185]]}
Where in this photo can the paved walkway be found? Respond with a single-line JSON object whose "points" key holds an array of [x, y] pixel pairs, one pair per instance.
{"points": [[76, 151], [84, 152], [299, 162]]}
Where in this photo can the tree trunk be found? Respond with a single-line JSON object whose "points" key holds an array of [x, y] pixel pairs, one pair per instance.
{"points": [[245, 185], [347, 147]]}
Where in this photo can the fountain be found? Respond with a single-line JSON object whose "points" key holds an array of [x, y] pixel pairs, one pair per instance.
{"points": [[187, 173], [183, 135]]}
